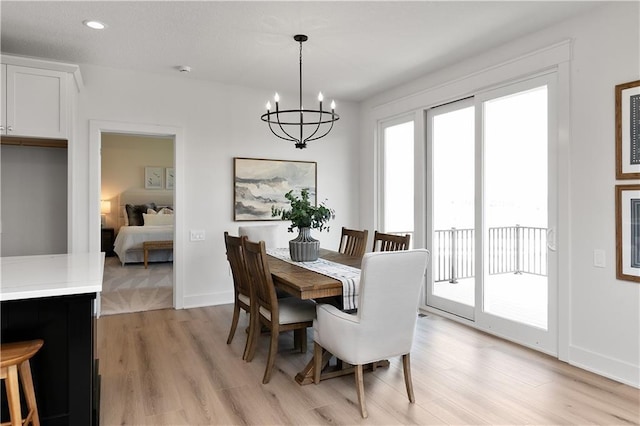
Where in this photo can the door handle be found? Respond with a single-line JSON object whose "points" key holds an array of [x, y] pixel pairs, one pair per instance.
{"points": [[551, 239]]}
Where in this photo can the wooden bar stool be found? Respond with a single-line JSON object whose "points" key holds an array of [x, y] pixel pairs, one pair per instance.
{"points": [[14, 356]]}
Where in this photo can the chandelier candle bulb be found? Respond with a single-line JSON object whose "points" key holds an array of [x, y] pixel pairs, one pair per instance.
{"points": [[320, 97], [333, 106], [276, 98], [268, 106]]}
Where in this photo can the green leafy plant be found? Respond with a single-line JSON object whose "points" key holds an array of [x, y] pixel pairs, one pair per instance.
{"points": [[302, 214]]}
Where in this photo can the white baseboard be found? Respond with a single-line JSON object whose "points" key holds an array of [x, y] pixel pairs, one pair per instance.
{"points": [[210, 299], [611, 368]]}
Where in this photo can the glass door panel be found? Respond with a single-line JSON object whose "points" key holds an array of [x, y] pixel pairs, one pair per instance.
{"points": [[516, 211], [451, 144]]}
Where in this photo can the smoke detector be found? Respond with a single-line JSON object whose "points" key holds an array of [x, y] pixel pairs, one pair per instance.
{"points": [[184, 68]]}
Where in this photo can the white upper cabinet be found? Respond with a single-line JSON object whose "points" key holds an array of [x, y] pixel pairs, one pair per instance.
{"points": [[36, 99]]}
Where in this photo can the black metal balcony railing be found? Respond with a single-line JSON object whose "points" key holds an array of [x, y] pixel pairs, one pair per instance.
{"points": [[512, 249]]}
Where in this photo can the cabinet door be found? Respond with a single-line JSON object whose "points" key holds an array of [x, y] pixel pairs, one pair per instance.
{"points": [[36, 102]]}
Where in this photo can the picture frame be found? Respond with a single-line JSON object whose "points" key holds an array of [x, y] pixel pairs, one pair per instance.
{"points": [[153, 177], [628, 232], [627, 104], [259, 184], [169, 178]]}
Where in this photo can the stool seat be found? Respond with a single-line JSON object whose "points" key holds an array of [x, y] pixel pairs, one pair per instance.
{"points": [[18, 352], [14, 361]]}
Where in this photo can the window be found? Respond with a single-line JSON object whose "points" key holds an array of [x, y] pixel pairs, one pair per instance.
{"points": [[398, 178]]}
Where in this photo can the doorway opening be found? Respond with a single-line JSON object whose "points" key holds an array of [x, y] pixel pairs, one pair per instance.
{"points": [[100, 130], [131, 283]]}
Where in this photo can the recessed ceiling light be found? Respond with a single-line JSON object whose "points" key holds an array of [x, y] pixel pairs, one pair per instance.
{"points": [[96, 25]]}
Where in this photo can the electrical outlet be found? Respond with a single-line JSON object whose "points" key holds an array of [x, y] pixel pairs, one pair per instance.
{"points": [[599, 258], [197, 235]]}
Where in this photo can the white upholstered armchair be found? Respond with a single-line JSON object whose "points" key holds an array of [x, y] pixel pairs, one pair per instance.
{"points": [[384, 325]]}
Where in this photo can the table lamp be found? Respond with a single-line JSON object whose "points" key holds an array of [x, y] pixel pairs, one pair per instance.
{"points": [[105, 209]]}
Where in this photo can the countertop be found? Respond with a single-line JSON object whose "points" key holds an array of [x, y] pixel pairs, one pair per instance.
{"points": [[29, 277]]}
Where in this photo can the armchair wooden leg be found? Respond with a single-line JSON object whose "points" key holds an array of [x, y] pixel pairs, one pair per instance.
{"points": [[360, 391], [406, 364], [317, 362]]}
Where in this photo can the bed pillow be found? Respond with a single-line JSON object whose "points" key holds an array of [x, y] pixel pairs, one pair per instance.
{"points": [[165, 210], [125, 217], [135, 211], [157, 219]]}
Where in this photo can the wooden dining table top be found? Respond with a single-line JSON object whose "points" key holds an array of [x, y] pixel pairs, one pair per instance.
{"points": [[305, 284]]}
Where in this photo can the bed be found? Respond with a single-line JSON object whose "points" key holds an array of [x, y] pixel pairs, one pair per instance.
{"points": [[142, 220]]}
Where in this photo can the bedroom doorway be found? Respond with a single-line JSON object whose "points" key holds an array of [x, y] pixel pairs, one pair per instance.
{"points": [[132, 287], [136, 213]]}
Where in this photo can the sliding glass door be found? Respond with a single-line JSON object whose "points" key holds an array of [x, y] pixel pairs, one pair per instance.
{"points": [[492, 198], [451, 146]]}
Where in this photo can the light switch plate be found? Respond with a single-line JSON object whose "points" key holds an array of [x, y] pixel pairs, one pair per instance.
{"points": [[197, 235], [599, 258]]}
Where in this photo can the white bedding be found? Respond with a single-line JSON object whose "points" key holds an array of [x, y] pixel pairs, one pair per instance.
{"points": [[128, 244]]}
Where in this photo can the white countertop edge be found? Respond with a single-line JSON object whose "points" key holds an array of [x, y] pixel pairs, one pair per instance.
{"points": [[53, 292]]}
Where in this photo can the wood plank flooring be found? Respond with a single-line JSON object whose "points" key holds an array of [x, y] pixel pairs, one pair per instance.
{"points": [[169, 367]]}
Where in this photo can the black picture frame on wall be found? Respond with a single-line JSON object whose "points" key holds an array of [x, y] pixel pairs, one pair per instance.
{"points": [[260, 184]]}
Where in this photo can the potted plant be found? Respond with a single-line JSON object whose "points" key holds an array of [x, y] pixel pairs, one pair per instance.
{"points": [[304, 216]]}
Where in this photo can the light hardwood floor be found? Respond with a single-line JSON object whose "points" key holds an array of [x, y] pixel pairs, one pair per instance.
{"points": [[169, 367]]}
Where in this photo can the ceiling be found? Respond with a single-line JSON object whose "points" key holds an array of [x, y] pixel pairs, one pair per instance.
{"points": [[355, 49]]}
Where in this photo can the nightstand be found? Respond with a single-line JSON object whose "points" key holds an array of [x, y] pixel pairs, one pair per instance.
{"points": [[108, 237]]}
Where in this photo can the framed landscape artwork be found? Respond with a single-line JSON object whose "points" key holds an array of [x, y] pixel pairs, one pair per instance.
{"points": [[260, 184], [628, 130], [628, 232]]}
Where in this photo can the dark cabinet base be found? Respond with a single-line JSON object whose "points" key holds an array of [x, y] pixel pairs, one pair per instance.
{"points": [[64, 370]]}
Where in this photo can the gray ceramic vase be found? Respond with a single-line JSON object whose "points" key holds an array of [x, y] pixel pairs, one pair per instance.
{"points": [[304, 248]]}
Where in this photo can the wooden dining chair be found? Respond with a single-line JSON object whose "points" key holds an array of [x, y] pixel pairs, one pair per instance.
{"points": [[277, 315], [390, 242], [385, 323], [353, 242], [241, 288]]}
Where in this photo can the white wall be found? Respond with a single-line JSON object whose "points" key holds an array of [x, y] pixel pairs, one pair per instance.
{"points": [[601, 315], [219, 122]]}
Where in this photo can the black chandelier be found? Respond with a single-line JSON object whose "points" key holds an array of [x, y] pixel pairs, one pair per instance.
{"points": [[298, 118]]}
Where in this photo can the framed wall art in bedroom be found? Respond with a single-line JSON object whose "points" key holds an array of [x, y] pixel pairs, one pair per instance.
{"points": [[169, 178], [260, 184], [153, 177]]}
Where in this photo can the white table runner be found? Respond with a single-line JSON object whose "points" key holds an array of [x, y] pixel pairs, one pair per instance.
{"points": [[348, 275]]}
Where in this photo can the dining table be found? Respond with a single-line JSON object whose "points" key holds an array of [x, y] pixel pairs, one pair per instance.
{"points": [[306, 284]]}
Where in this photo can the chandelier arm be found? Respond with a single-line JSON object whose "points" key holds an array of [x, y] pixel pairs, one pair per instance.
{"points": [[290, 138], [309, 139], [317, 127], [283, 130]]}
